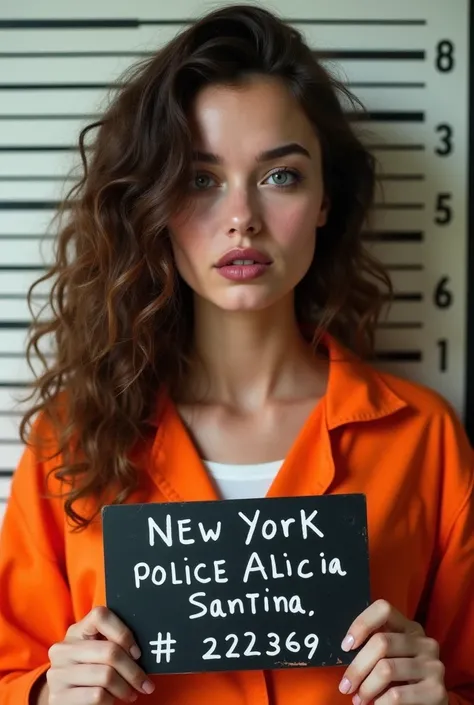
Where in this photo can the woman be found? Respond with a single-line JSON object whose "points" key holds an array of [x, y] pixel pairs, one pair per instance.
{"points": [[209, 283]]}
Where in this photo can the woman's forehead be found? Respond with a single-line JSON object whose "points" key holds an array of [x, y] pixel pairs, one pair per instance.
{"points": [[252, 118]]}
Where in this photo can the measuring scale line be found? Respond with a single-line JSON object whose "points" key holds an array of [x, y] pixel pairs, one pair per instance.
{"points": [[388, 147], [28, 205], [321, 54], [408, 296], [371, 54], [50, 116], [401, 177], [404, 267], [379, 84], [393, 236], [398, 325], [387, 116], [58, 86], [12, 385], [400, 206], [109, 86], [399, 356], [35, 177], [135, 23], [70, 24], [22, 268], [14, 325], [3, 236], [39, 148]]}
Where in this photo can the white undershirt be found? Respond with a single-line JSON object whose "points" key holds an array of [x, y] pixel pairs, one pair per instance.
{"points": [[243, 481]]}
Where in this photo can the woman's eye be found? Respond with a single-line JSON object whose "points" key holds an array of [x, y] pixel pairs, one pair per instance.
{"points": [[285, 177], [200, 182]]}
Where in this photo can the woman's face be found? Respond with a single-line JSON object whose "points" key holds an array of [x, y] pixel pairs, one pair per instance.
{"points": [[256, 209]]}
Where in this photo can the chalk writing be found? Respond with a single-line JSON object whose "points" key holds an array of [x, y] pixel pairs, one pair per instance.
{"points": [[268, 583]]}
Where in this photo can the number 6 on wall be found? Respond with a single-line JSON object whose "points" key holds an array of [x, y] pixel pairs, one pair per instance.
{"points": [[443, 297]]}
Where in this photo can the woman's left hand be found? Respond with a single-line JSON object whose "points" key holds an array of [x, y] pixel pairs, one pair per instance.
{"points": [[398, 664]]}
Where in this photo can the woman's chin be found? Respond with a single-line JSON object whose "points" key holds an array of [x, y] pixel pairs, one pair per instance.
{"points": [[242, 301]]}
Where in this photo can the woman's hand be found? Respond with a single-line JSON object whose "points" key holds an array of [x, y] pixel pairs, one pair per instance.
{"points": [[398, 664], [94, 663]]}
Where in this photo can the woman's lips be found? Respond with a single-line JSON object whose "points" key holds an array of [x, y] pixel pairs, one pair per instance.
{"points": [[243, 272], [236, 256]]}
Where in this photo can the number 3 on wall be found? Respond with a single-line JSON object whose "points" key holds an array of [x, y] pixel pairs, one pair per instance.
{"points": [[446, 139]]}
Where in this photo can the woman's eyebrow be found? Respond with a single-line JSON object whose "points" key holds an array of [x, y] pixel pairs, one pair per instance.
{"points": [[275, 153]]}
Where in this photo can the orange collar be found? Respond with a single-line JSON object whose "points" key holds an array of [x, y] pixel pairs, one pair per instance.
{"points": [[355, 391]]}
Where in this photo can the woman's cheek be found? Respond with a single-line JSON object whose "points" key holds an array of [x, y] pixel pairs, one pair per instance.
{"points": [[191, 253], [294, 228]]}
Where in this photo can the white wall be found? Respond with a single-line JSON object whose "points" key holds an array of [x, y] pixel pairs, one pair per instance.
{"points": [[52, 78]]}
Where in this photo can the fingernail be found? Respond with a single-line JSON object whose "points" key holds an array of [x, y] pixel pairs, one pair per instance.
{"points": [[348, 643], [132, 698], [148, 687], [356, 700], [135, 651], [345, 685]]}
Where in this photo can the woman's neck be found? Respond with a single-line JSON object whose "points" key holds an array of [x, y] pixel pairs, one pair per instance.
{"points": [[246, 359]]}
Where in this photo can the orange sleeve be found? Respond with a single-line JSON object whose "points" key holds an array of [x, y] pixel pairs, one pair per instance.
{"points": [[449, 612], [35, 602], [450, 618]]}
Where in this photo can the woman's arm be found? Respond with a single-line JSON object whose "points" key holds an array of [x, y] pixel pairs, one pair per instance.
{"points": [[430, 661], [449, 614], [35, 600]]}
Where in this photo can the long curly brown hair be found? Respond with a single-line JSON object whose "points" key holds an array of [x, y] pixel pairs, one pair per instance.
{"points": [[121, 324]]}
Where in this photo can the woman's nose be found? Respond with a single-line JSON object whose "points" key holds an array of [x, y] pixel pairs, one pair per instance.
{"points": [[242, 214]]}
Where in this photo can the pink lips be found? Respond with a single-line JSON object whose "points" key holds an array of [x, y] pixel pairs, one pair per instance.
{"points": [[248, 253], [231, 266]]}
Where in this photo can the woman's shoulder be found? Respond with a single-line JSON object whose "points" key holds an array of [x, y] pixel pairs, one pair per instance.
{"points": [[368, 380], [35, 504], [430, 432], [420, 397], [439, 425], [42, 451], [361, 387]]}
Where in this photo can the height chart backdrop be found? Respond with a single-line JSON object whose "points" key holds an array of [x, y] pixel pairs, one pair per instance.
{"points": [[407, 61]]}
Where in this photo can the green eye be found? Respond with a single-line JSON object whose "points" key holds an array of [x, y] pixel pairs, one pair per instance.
{"points": [[285, 177], [200, 182]]}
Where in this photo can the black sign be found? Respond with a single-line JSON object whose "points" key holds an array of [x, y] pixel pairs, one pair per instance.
{"points": [[239, 584]]}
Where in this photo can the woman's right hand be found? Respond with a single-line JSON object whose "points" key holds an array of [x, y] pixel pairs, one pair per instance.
{"points": [[95, 664]]}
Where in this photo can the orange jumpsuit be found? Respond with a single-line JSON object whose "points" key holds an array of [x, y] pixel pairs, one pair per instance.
{"points": [[398, 443]]}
